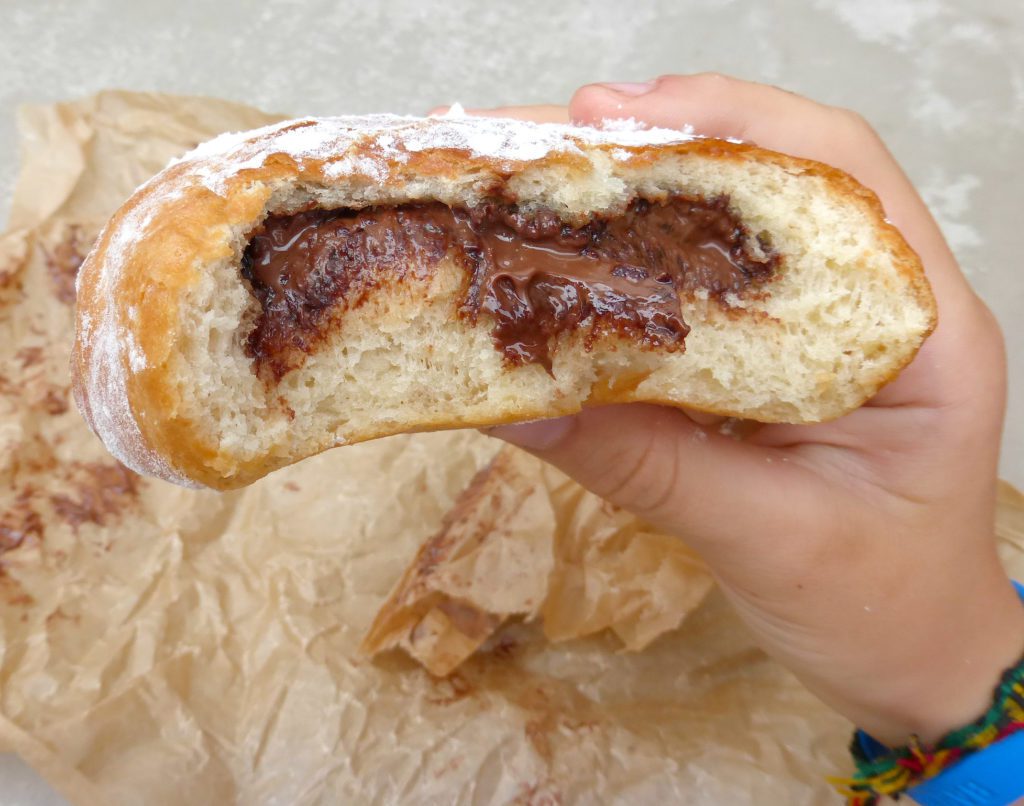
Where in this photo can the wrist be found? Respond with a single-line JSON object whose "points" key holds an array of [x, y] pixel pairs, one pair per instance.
{"points": [[948, 683], [979, 762]]}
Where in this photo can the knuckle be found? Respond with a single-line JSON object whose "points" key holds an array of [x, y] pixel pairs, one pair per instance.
{"points": [[992, 336], [619, 482], [646, 483], [714, 78], [584, 90], [855, 122], [587, 96], [711, 84]]}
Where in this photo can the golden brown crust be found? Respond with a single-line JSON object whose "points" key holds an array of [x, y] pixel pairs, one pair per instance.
{"points": [[156, 247]]}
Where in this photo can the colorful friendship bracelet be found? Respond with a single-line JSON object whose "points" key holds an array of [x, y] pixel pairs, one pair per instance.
{"points": [[894, 771]]}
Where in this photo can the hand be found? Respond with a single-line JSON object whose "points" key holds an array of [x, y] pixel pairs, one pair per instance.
{"points": [[860, 552]]}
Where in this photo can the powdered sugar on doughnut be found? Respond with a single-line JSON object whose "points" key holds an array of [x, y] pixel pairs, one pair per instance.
{"points": [[116, 352], [369, 144]]}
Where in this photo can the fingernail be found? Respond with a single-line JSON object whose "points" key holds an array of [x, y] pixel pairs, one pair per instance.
{"points": [[630, 88], [536, 436]]}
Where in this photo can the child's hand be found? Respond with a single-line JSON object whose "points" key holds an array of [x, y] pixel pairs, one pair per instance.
{"points": [[860, 552]]}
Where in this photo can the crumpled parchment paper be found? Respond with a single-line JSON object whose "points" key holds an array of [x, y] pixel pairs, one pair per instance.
{"points": [[164, 646], [524, 540]]}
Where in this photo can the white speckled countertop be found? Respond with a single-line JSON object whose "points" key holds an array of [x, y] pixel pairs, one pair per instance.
{"points": [[942, 81]]}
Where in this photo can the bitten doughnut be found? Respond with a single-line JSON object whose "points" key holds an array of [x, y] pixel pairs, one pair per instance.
{"points": [[322, 282]]}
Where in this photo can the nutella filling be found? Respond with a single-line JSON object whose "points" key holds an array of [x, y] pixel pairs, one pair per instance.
{"points": [[537, 276]]}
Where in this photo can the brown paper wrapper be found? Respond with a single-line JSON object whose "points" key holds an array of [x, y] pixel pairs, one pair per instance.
{"points": [[163, 646], [524, 540]]}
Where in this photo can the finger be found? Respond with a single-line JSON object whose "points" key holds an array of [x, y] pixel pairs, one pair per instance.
{"points": [[720, 106], [659, 464], [538, 113]]}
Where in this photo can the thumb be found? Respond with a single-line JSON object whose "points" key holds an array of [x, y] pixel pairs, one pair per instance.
{"points": [[656, 462]]}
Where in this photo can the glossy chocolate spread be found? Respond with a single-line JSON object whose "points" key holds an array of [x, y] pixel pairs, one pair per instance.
{"points": [[534, 274]]}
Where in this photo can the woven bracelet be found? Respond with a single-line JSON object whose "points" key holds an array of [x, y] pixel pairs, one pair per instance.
{"points": [[894, 772]]}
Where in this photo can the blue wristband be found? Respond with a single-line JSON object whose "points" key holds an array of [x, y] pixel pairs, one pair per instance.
{"points": [[991, 777]]}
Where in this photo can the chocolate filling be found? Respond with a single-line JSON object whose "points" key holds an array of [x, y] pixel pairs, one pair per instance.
{"points": [[537, 276]]}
